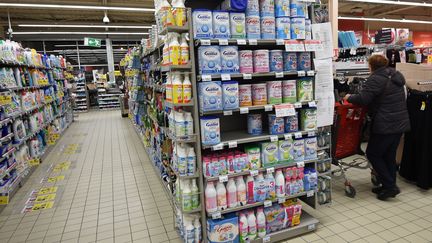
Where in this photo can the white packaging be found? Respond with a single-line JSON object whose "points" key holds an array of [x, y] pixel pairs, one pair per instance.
{"points": [[210, 96], [268, 28], [221, 25], [308, 29], [209, 59], [298, 8], [253, 27], [254, 124], [283, 28], [246, 61], [267, 8], [230, 95], [252, 8], [298, 28], [210, 130], [261, 61], [238, 25], [229, 59], [202, 24], [274, 92], [282, 8]]}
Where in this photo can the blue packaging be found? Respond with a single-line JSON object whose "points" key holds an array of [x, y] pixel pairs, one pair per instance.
{"points": [[267, 8], [221, 25], [209, 59], [290, 61], [308, 29], [252, 8], [224, 230], [276, 61], [310, 148], [298, 28], [276, 124], [254, 124], [298, 150], [202, 24], [210, 96], [298, 8], [283, 28], [291, 123], [304, 61], [230, 95], [282, 8], [253, 27], [210, 130], [268, 28], [234, 5], [229, 59]]}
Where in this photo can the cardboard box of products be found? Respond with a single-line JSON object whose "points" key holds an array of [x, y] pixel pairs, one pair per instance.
{"points": [[417, 76]]}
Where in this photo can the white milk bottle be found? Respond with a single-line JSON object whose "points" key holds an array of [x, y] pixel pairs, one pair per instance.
{"points": [[261, 222], [197, 226], [186, 196], [252, 225], [221, 196], [195, 194], [187, 89], [189, 123], [232, 193], [243, 228], [211, 198], [241, 191], [191, 161], [280, 184]]}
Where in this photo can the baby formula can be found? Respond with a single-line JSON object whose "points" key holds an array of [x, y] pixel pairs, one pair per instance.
{"points": [[276, 61], [283, 28], [203, 24], [267, 8], [253, 27], [298, 8], [209, 59], [246, 61], [289, 91], [245, 95], [276, 124], [261, 61], [291, 123], [268, 28], [298, 26], [290, 61], [229, 59], [308, 29], [304, 61], [259, 94], [238, 25], [221, 24], [274, 92], [282, 8], [254, 123], [252, 8], [230, 95], [210, 130]]}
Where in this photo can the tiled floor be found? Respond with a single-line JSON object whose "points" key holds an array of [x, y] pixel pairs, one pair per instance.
{"points": [[111, 194]]}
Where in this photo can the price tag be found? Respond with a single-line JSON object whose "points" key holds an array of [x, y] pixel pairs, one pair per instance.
{"points": [[300, 164], [244, 110], [218, 147], [5, 99], [226, 77], [274, 138], [279, 74], [311, 73], [241, 42], [280, 42], [268, 107], [223, 42], [253, 42], [270, 170], [311, 227], [216, 215], [205, 42], [313, 45], [301, 73], [284, 110], [310, 193], [294, 46], [247, 76], [206, 77], [232, 144], [253, 172], [287, 136], [311, 134], [267, 203], [227, 113], [312, 104], [223, 178], [298, 105], [281, 200], [298, 135], [4, 200]]}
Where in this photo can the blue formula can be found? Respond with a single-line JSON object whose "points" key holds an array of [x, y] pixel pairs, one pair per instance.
{"points": [[304, 61], [254, 124], [276, 61], [298, 8], [283, 28], [290, 61], [291, 123], [276, 124], [298, 28]]}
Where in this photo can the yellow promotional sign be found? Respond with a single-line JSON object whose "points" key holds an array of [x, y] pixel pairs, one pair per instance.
{"points": [[44, 205], [5, 99], [56, 178], [34, 162], [4, 200], [47, 190], [45, 198]]}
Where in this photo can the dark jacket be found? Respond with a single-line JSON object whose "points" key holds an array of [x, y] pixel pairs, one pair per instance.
{"points": [[384, 95]]}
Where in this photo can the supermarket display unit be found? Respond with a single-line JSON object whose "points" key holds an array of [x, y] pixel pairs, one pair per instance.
{"points": [[106, 99], [44, 106], [81, 94]]}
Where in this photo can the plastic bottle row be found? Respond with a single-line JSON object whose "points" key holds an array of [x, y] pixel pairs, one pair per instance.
{"points": [[180, 123], [167, 14], [27, 100], [187, 193], [237, 192], [19, 77], [184, 159], [228, 59], [229, 95], [174, 52], [189, 227], [178, 88]]}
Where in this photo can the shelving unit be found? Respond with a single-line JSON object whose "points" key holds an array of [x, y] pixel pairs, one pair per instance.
{"points": [[81, 95]]}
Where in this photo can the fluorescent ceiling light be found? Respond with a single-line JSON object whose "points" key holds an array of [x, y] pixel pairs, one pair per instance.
{"points": [[388, 20], [78, 33], [64, 45], [85, 26], [404, 3], [80, 7]]}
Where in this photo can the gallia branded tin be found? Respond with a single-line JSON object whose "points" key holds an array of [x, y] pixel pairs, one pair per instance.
{"points": [[246, 61], [261, 61]]}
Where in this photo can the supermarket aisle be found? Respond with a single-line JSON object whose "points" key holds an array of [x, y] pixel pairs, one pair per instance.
{"points": [[109, 191]]}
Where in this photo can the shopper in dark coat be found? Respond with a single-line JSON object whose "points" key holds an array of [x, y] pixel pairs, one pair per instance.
{"points": [[385, 96]]}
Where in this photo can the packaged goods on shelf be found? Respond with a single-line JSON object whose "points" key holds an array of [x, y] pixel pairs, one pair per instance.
{"points": [[234, 5], [238, 25], [210, 96], [223, 230], [221, 24], [230, 95], [202, 23], [210, 130], [308, 119], [209, 59]]}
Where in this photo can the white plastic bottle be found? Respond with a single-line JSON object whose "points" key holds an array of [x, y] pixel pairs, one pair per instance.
{"points": [[177, 190], [187, 89], [168, 88], [177, 89], [184, 51], [271, 187], [221, 196], [174, 50], [211, 198], [165, 50], [197, 225], [171, 121], [179, 124], [252, 225], [186, 195], [232, 193], [190, 230], [195, 194], [243, 228], [241, 191], [261, 222], [191, 161], [179, 12], [166, 17], [250, 193], [189, 123], [182, 160], [280, 184]]}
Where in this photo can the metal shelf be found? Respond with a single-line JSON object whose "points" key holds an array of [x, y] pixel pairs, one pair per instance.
{"points": [[171, 68], [177, 29], [254, 108], [27, 88], [172, 105], [241, 42], [241, 76]]}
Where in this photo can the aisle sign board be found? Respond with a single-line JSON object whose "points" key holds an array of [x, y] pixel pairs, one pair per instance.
{"points": [[93, 42]]}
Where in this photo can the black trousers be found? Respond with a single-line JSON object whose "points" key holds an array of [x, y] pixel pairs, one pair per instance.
{"points": [[381, 152]]}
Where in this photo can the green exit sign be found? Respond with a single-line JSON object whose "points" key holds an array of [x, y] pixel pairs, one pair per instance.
{"points": [[93, 42]]}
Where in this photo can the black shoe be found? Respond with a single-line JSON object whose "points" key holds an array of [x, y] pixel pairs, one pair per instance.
{"points": [[388, 193], [377, 190]]}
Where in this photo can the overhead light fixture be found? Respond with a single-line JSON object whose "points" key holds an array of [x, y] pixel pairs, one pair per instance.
{"points": [[105, 18], [80, 7], [78, 33], [61, 45], [404, 3], [387, 20], [85, 26]]}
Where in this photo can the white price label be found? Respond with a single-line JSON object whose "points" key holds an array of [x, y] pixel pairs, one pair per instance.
{"points": [[253, 172], [287, 136], [247, 76], [300, 164], [310, 193], [218, 147], [270, 170], [279, 74], [301, 73], [294, 46], [313, 45], [266, 239], [267, 203], [253, 42], [216, 215], [311, 73], [206, 77], [244, 110], [298, 105], [205, 42], [312, 104], [232, 144], [284, 110], [311, 134], [311, 227], [241, 42], [228, 113], [268, 107], [281, 200], [280, 42], [226, 77], [274, 138], [298, 135], [223, 42], [223, 178]]}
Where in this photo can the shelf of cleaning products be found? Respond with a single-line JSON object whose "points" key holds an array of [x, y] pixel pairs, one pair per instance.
{"points": [[182, 139], [307, 224], [178, 205], [196, 175], [6, 138], [5, 155], [27, 88], [4, 64], [245, 76], [22, 113], [176, 29], [172, 68], [251, 172], [268, 108], [242, 137], [172, 105], [36, 132], [6, 171], [241, 42], [5, 122], [109, 95]]}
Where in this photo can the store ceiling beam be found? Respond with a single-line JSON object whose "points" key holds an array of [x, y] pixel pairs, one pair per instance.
{"points": [[391, 2], [375, 14], [76, 7]]}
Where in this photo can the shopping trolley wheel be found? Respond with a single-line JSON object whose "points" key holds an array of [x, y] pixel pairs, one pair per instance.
{"points": [[350, 191]]}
